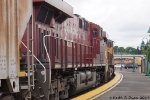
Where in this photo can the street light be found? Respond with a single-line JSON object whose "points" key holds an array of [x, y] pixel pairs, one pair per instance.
{"points": [[133, 64], [147, 69], [121, 59], [133, 61]]}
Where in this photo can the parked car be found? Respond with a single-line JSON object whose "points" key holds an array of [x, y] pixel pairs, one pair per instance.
{"points": [[119, 65], [130, 66]]}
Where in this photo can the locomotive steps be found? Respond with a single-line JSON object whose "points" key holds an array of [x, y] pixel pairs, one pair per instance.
{"points": [[91, 95]]}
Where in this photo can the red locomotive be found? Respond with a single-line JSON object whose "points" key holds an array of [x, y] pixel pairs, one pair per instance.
{"points": [[61, 54]]}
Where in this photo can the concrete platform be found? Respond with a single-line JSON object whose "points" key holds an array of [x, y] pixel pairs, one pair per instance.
{"points": [[100, 90], [134, 86]]}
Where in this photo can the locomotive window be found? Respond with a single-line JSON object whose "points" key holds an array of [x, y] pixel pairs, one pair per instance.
{"points": [[95, 32], [45, 15], [49, 17], [80, 23], [42, 13], [85, 25]]}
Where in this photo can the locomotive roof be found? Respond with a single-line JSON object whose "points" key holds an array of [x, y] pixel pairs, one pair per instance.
{"points": [[77, 15]]}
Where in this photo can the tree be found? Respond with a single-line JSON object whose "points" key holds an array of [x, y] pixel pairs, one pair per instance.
{"points": [[127, 50], [116, 49], [121, 50], [131, 50], [144, 48]]}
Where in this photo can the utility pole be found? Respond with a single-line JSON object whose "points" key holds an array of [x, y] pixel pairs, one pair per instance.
{"points": [[133, 64], [121, 60], [147, 69]]}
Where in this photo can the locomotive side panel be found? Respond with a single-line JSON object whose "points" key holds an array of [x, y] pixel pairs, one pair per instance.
{"points": [[103, 49], [110, 58], [110, 52], [103, 52]]}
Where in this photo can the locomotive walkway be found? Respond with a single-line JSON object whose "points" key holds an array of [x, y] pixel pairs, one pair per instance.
{"points": [[128, 85]]}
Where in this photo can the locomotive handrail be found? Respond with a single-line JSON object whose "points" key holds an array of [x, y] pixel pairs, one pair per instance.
{"points": [[71, 41], [39, 62], [47, 54]]}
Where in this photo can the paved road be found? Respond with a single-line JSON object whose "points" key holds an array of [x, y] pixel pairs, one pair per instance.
{"points": [[134, 86]]}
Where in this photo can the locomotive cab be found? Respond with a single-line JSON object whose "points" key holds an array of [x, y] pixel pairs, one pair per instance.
{"points": [[95, 34]]}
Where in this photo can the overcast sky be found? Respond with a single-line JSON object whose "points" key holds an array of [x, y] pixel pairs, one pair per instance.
{"points": [[126, 21]]}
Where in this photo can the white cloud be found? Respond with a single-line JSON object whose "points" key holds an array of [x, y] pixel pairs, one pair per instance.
{"points": [[125, 21]]}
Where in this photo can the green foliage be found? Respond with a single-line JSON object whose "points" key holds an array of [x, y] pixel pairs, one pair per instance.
{"points": [[143, 47], [128, 50], [131, 50]]}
